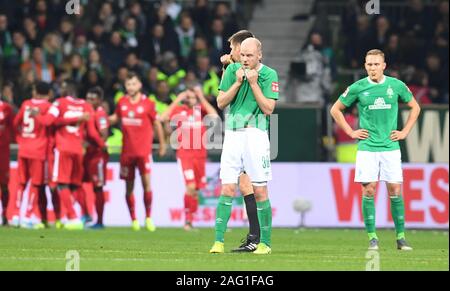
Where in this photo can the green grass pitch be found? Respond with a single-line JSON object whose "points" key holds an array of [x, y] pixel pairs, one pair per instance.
{"points": [[175, 249]]}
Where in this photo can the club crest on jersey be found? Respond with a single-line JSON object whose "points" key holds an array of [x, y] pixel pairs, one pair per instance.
{"points": [[390, 92], [140, 109], [2, 116]]}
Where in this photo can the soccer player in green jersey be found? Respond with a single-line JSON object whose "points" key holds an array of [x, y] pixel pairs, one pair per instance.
{"points": [[378, 157], [245, 185], [251, 90]]}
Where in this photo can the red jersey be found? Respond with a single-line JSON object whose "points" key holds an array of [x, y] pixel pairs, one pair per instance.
{"points": [[70, 138], [32, 136], [191, 130], [137, 125], [101, 123], [6, 125]]}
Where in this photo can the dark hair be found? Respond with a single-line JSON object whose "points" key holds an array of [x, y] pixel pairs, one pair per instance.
{"points": [[69, 88], [240, 36], [42, 88], [97, 90], [132, 75]]}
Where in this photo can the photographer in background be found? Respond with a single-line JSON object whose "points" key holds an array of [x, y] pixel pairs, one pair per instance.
{"points": [[310, 80]]}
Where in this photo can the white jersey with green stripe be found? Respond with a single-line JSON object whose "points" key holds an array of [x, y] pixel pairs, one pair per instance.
{"points": [[378, 110], [244, 110]]}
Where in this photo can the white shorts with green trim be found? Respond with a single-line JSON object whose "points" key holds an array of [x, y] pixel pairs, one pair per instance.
{"points": [[248, 150], [379, 166]]}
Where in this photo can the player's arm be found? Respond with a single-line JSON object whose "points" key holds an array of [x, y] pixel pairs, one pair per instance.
{"points": [[63, 121], [93, 133], [225, 97], [338, 116], [48, 118], [113, 119], [162, 142], [19, 118], [412, 118], [204, 103], [266, 105], [166, 114]]}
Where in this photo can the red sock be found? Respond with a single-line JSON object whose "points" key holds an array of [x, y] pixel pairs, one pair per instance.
{"points": [[194, 204], [148, 203], [66, 200], [18, 203], [131, 203], [99, 205], [32, 206], [80, 196], [56, 203], [187, 208]]}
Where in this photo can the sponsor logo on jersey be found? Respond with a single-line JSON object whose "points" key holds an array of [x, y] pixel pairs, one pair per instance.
{"points": [[380, 104], [275, 87], [345, 92]]}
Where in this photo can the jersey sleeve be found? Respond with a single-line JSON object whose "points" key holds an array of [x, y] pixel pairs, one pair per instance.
{"points": [[405, 95], [19, 117], [102, 120], [349, 96], [270, 87], [118, 109], [228, 79], [151, 111]]}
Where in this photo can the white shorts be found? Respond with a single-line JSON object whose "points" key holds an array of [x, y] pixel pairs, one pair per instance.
{"points": [[248, 150], [379, 166]]}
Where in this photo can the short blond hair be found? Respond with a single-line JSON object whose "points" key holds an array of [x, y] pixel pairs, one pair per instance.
{"points": [[375, 52]]}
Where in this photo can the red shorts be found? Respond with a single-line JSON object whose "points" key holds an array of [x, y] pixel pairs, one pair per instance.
{"points": [[193, 170], [4, 167], [67, 168], [128, 165], [33, 169], [95, 169]]}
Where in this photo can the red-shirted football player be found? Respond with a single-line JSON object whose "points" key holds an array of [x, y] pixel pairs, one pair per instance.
{"points": [[68, 165], [32, 139], [6, 137], [186, 113], [95, 159], [138, 117]]}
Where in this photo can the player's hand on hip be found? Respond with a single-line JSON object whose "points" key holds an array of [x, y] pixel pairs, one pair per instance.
{"points": [[240, 75], [360, 134], [397, 135], [252, 76]]}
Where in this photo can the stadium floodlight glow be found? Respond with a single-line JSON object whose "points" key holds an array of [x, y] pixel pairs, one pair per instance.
{"points": [[302, 206]]}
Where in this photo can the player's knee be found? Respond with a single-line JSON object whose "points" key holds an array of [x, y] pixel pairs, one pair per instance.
{"points": [[245, 187], [369, 189], [191, 189], [228, 189], [394, 190], [261, 193]]}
